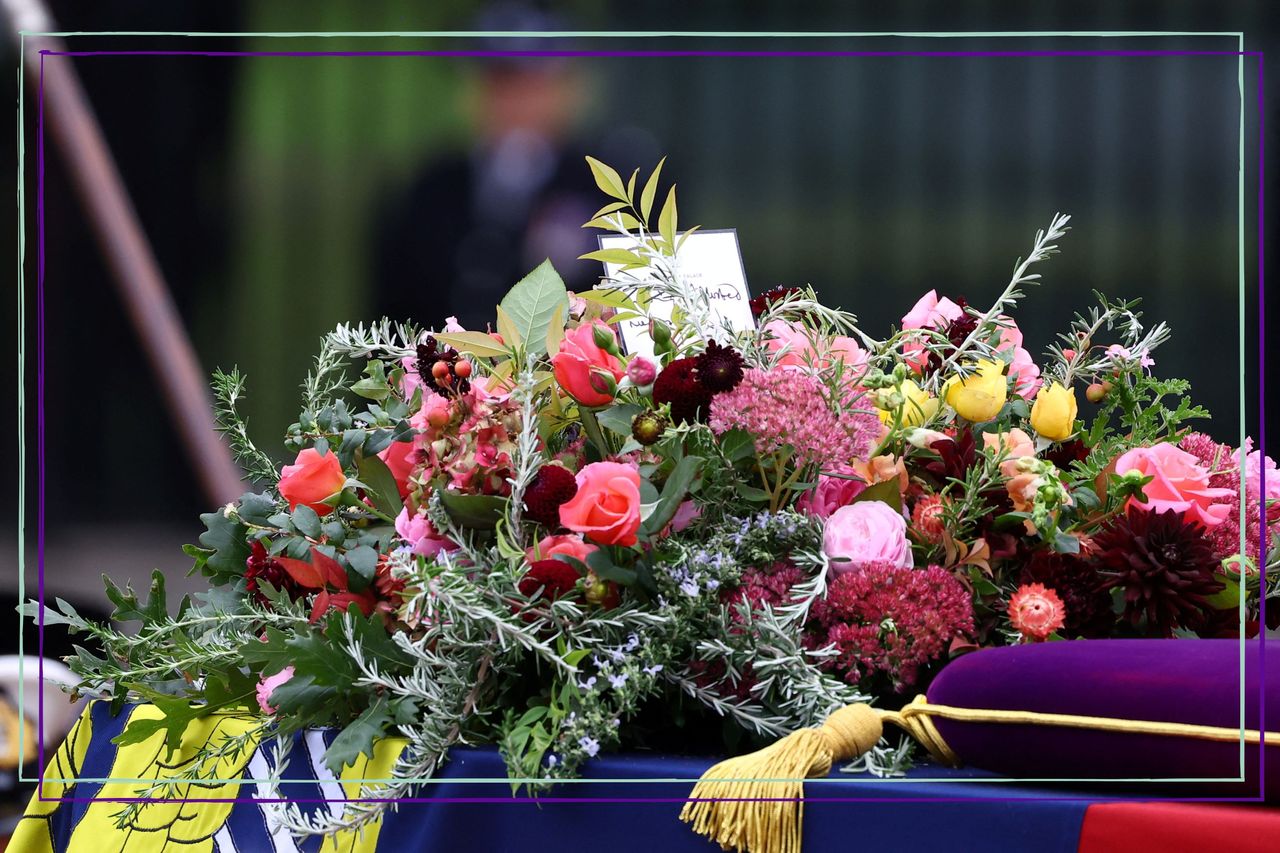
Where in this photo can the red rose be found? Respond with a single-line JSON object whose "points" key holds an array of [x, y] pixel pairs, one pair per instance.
{"points": [[311, 480], [581, 366]]}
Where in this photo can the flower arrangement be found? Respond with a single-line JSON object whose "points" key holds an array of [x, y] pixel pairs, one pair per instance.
{"points": [[525, 537]]}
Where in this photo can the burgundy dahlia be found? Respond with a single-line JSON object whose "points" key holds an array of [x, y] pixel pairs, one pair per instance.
{"points": [[437, 367], [678, 385], [552, 486], [261, 567], [1164, 565], [957, 331], [719, 368], [761, 303], [554, 577]]}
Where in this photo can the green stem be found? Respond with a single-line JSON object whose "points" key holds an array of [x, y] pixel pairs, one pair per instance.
{"points": [[591, 426]]}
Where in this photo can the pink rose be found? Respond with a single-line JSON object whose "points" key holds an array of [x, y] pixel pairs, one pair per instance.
{"points": [[797, 349], [1180, 483], [929, 312], [422, 537], [607, 506], [866, 532], [568, 544], [687, 513], [830, 494], [1022, 369], [401, 457], [267, 685], [311, 480], [581, 365]]}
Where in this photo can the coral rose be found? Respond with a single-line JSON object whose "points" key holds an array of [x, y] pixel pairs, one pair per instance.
{"points": [[568, 544], [866, 532], [581, 366], [401, 457], [1180, 483], [311, 480], [606, 508]]}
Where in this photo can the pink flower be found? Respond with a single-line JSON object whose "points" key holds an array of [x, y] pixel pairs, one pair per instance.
{"points": [[422, 537], [830, 494], [866, 532], [929, 312], [312, 479], [607, 506], [798, 350], [568, 544], [1036, 612], [1119, 353], [1180, 483], [783, 408], [1255, 466], [1022, 369], [685, 514], [267, 685], [641, 371], [581, 365]]}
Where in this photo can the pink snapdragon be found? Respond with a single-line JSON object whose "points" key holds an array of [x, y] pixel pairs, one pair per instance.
{"points": [[267, 685]]}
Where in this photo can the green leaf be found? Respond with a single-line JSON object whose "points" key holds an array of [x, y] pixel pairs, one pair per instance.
{"points": [[358, 737], [609, 298], [226, 539], [256, 508], [650, 189], [625, 257], [129, 609], [532, 304], [381, 483], [737, 445], [601, 562], [476, 343], [667, 220], [617, 418], [306, 520], [555, 330], [608, 179], [364, 560], [179, 713], [679, 482], [885, 492], [479, 512]]}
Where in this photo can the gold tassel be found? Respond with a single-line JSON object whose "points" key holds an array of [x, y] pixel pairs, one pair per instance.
{"points": [[755, 802]]}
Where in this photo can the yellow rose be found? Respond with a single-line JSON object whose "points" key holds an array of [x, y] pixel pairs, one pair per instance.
{"points": [[981, 395], [1054, 413], [917, 406]]}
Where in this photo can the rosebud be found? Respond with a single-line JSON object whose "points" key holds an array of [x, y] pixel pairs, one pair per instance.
{"points": [[661, 334], [438, 417], [1053, 415], [604, 338], [648, 427], [602, 382], [1095, 393], [641, 371]]}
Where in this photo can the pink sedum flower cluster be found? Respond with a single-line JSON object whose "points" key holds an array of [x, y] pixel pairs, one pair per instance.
{"points": [[783, 408], [890, 621]]}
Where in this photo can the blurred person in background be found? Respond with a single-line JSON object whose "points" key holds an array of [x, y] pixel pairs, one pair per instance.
{"points": [[477, 221]]}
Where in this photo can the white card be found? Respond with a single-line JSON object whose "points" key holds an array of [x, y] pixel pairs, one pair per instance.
{"points": [[709, 260]]}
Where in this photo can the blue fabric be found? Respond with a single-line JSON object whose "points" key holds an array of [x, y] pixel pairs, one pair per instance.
{"points": [[891, 822], [891, 819]]}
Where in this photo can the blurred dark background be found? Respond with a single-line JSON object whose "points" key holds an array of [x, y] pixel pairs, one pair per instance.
{"points": [[284, 195]]}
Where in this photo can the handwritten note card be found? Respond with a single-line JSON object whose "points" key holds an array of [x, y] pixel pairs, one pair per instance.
{"points": [[709, 260]]}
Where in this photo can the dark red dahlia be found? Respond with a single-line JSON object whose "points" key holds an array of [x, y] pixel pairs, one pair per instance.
{"points": [[720, 368], [552, 487], [554, 577], [678, 385], [437, 367], [261, 568], [1164, 565], [955, 457], [1063, 454], [1078, 584], [762, 302], [957, 331]]}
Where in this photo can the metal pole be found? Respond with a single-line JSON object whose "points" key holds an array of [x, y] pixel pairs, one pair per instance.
{"points": [[126, 251]]}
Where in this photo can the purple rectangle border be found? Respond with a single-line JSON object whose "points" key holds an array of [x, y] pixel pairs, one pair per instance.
{"points": [[40, 373]]}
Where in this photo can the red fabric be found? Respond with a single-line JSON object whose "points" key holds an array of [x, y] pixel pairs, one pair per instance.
{"points": [[1175, 827]]}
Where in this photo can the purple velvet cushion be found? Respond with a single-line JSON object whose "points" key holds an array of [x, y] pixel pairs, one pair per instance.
{"points": [[1185, 681]]}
